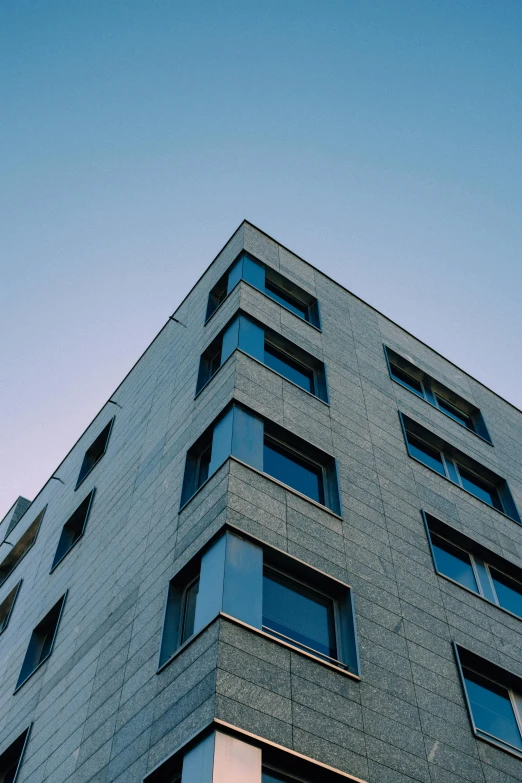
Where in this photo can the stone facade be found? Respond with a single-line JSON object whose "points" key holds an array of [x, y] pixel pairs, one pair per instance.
{"points": [[99, 709]]}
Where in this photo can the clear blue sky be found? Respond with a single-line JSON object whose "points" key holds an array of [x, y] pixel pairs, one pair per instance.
{"points": [[379, 139]]}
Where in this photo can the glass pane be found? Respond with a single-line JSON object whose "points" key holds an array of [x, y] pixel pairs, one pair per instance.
{"points": [[281, 296], [203, 463], [406, 380], [430, 456], [481, 489], [189, 610], [492, 709], [298, 612], [454, 412], [453, 562], [214, 363], [11, 772], [509, 592], [288, 467], [294, 371]]}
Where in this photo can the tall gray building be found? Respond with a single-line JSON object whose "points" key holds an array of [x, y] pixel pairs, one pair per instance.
{"points": [[288, 548]]}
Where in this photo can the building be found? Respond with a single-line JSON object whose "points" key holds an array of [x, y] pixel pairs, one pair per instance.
{"points": [[287, 548]]}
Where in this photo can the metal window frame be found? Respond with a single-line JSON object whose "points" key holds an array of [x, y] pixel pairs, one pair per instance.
{"points": [[304, 458], [110, 424]]}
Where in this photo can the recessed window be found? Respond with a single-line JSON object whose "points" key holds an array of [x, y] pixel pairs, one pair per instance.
{"points": [[456, 466], [95, 452], [41, 643], [474, 567], [494, 697], [11, 759], [423, 385], [189, 610], [7, 605], [268, 347], [73, 529], [271, 283], [291, 468], [21, 548]]}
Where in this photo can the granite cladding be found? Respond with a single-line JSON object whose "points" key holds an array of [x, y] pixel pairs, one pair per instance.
{"points": [[100, 711]]}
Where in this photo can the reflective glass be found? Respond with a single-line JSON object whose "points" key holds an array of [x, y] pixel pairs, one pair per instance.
{"points": [[287, 300], [430, 456], [298, 473], [269, 776], [203, 463], [189, 610], [295, 611], [509, 592], [492, 709], [294, 371], [453, 562], [454, 412], [481, 489], [406, 380]]}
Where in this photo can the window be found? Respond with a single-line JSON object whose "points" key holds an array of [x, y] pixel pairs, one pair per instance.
{"points": [[456, 466], [11, 759], [73, 529], [266, 447], [474, 567], [16, 512], [21, 548], [271, 283], [268, 347], [494, 698], [267, 590], [423, 385], [41, 642], [95, 452], [7, 605]]}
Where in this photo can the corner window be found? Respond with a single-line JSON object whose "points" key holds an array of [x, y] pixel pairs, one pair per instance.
{"points": [[445, 459], [266, 447], [435, 393], [41, 642], [21, 548], [494, 698], [7, 605], [266, 590], [11, 759], [95, 452], [268, 281], [268, 347], [474, 567], [73, 529]]}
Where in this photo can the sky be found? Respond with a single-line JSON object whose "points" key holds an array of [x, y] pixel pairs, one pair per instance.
{"points": [[381, 140]]}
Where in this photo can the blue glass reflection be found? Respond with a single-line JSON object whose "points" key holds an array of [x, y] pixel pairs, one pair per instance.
{"points": [[288, 467], [424, 453], [455, 412], [283, 364], [281, 296], [492, 709], [509, 592], [406, 380], [453, 562], [480, 489]]}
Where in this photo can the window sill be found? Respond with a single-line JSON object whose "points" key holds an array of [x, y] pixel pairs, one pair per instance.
{"points": [[303, 320], [453, 484], [499, 745], [270, 369]]}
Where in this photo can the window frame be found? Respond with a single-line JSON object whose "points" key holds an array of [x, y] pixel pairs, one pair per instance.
{"points": [[37, 522], [25, 734], [21, 682], [16, 590], [109, 425], [90, 499], [283, 446]]}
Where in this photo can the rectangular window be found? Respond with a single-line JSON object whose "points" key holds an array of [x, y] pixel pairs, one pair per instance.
{"points": [[268, 281], [95, 452], [11, 759], [445, 459], [7, 605], [41, 642], [189, 610], [494, 697], [268, 347], [73, 529], [21, 548], [292, 469], [471, 565], [435, 393]]}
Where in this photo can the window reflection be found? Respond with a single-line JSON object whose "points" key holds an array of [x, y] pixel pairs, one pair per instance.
{"points": [[292, 469], [492, 709], [454, 562]]}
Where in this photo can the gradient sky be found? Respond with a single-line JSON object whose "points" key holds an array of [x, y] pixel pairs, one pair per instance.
{"points": [[379, 139]]}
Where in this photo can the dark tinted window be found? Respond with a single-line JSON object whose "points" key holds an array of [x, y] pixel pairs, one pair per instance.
{"points": [[455, 412], [509, 592], [203, 464], [189, 610], [291, 369], [454, 562], [286, 299], [430, 456], [73, 529], [492, 709], [407, 380], [481, 489], [298, 613], [41, 642], [10, 760], [294, 470], [95, 452]]}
